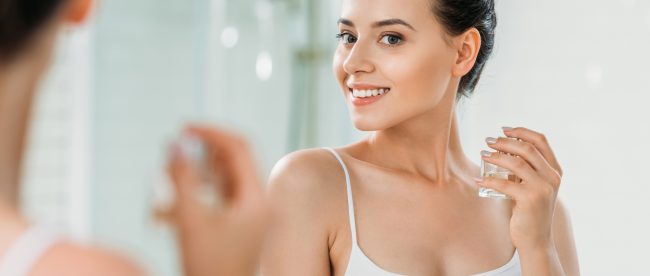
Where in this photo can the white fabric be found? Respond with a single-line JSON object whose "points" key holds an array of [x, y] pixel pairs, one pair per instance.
{"points": [[26, 251], [360, 264]]}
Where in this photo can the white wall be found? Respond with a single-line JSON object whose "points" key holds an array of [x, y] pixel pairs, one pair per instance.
{"points": [[56, 171]]}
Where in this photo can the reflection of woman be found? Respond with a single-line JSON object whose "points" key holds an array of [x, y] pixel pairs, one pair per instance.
{"points": [[411, 204], [28, 29], [223, 243]]}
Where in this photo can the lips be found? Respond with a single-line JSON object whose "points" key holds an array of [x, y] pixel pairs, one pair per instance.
{"points": [[367, 93], [362, 94], [367, 96]]}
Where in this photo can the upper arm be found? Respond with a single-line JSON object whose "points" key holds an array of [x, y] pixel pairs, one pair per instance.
{"points": [[113, 264], [298, 240], [71, 259], [564, 241]]}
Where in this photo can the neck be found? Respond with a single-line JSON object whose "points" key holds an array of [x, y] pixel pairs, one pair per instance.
{"points": [[12, 225], [428, 146], [17, 85], [9, 215]]}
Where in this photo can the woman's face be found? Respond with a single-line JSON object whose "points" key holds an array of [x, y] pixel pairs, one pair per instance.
{"points": [[392, 62]]}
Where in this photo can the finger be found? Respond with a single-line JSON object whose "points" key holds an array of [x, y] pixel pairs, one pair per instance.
{"points": [[509, 188], [517, 165], [231, 152], [538, 140], [184, 178], [233, 158], [525, 150]]}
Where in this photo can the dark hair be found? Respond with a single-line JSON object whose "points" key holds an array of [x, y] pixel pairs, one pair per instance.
{"points": [[20, 20], [458, 16]]}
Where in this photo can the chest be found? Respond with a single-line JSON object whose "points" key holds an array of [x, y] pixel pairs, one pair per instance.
{"points": [[417, 230]]}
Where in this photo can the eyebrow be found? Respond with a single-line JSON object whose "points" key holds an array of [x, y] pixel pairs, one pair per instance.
{"points": [[383, 23]]}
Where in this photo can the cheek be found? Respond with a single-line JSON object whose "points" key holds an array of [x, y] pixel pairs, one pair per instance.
{"points": [[337, 66], [421, 75]]}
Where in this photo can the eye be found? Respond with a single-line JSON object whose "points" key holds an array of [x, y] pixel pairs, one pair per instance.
{"points": [[346, 38], [391, 40]]}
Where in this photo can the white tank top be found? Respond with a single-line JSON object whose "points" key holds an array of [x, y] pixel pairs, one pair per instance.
{"points": [[23, 255], [360, 264]]}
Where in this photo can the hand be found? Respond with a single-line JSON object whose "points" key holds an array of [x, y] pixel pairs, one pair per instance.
{"points": [[225, 241], [534, 198]]}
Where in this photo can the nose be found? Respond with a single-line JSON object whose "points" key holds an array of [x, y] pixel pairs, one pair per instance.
{"points": [[358, 60]]}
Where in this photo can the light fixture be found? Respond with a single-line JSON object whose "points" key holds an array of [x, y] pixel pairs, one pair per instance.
{"points": [[229, 37], [264, 66]]}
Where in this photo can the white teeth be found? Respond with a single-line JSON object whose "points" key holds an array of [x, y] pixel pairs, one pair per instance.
{"points": [[368, 93]]}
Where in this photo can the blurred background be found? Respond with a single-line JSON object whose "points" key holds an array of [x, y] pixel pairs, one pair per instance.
{"points": [[123, 86]]}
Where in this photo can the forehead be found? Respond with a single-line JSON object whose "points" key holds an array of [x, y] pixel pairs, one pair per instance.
{"points": [[363, 12]]}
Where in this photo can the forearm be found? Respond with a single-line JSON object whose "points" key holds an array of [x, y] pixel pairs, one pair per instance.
{"points": [[540, 261], [202, 257], [206, 266]]}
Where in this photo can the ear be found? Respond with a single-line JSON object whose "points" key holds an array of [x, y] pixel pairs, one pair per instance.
{"points": [[468, 45], [78, 10]]}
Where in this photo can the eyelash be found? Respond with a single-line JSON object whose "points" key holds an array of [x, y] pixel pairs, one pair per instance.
{"points": [[342, 35], [401, 39]]}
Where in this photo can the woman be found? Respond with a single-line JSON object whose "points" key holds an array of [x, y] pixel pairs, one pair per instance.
{"points": [[212, 243], [405, 199]]}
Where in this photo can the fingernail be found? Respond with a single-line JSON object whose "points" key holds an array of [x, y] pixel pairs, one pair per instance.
{"points": [[478, 180], [491, 140], [507, 129], [486, 153]]}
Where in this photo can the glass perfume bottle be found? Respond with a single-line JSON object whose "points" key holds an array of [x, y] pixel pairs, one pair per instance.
{"points": [[489, 170]]}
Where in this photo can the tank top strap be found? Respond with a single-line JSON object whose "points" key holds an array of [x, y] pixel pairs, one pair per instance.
{"points": [[23, 255], [351, 217]]}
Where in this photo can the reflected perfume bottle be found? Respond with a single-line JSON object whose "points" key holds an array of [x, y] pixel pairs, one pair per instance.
{"points": [[208, 189]]}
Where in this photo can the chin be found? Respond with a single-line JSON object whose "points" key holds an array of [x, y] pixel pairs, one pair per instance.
{"points": [[365, 127], [369, 123]]}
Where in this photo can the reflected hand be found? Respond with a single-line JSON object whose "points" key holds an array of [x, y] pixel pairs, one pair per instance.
{"points": [[225, 241]]}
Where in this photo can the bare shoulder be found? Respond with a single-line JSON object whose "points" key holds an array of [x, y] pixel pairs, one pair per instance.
{"points": [[307, 190], [309, 173], [309, 186], [67, 258], [564, 240]]}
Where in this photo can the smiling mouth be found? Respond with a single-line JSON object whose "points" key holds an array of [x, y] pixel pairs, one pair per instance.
{"points": [[358, 93]]}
